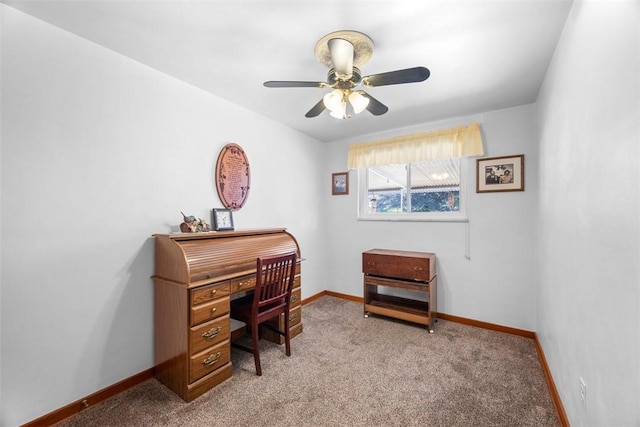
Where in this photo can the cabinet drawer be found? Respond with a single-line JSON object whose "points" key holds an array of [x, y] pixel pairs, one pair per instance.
{"points": [[243, 283], [208, 334], [210, 292], [208, 361], [418, 266], [295, 296], [210, 310]]}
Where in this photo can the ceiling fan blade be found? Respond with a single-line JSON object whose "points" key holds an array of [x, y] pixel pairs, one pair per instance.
{"points": [[341, 52], [286, 83], [408, 75], [375, 107], [316, 110]]}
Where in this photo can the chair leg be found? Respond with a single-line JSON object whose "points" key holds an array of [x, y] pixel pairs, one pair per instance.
{"points": [[287, 333], [256, 348]]}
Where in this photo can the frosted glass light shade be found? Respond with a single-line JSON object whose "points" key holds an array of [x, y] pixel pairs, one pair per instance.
{"points": [[333, 99], [358, 102], [336, 114], [341, 111]]}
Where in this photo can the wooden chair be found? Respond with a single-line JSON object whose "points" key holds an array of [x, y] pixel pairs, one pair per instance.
{"points": [[271, 298]]}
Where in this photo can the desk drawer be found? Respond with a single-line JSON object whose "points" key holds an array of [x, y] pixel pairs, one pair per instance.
{"points": [[295, 326], [208, 361], [245, 283], [210, 292], [208, 334], [242, 284], [296, 296], [295, 316], [209, 310]]}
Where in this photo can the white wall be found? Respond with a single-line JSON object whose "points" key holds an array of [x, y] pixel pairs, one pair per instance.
{"points": [[496, 284], [98, 153], [589, 231]]}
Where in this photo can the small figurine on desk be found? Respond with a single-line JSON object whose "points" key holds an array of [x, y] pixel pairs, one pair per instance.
{"points": [[192, 224]]}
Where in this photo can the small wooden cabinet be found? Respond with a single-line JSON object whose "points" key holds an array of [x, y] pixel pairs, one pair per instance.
{"points": [[406, 271], [196, 276]]}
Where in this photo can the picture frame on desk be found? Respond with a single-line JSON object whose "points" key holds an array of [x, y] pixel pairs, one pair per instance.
{"points": [[222, 219]]}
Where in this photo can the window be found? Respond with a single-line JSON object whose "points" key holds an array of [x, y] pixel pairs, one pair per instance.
{"points": [[415, 177], [423, 191]]}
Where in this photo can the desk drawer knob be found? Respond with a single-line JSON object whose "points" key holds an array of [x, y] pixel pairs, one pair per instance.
{"points": [[213, 292], [211, 333], [213, 310], [213, 358]]}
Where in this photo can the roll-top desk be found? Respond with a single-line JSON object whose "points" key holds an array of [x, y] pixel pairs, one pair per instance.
{"points": [[405, 270], [196, 275]]}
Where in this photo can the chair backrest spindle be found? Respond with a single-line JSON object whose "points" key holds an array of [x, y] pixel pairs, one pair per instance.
{"points": [[274, 281]]}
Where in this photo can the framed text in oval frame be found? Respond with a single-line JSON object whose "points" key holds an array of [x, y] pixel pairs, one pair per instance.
{"points": [[233, 176]]}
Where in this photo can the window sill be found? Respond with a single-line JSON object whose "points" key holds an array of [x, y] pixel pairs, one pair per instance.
{"points": [[412, 218]]}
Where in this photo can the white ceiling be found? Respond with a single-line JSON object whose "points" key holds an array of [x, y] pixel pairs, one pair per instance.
{"points": [[483, 54]]}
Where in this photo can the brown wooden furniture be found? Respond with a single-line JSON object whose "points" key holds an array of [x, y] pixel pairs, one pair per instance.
{"points": [[405, 271], [196, 275], [271, 298]]}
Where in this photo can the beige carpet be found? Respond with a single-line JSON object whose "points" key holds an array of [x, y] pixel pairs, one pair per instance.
{"points": [[346, 370]]}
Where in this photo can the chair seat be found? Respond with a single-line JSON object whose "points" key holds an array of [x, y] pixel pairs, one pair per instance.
{"points": [[241, 310]]}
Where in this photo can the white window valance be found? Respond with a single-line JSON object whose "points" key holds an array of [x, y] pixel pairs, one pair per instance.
{"points": [[462, 141]]}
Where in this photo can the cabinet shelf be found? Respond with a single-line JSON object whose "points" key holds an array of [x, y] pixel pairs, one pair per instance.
{"points": [[411, 271], [398, 307]]}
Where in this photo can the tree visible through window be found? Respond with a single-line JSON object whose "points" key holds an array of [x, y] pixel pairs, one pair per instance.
{"points": [[424, 187]]}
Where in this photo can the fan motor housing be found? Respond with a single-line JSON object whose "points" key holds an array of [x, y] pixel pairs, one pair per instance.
{"points": [[336, 82]]}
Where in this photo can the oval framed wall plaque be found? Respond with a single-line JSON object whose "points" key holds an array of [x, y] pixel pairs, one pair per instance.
{"points": [[233, 176]]}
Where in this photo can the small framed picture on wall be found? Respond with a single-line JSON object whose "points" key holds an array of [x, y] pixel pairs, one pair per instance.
{"points": [[500, 174], [340, 183]]}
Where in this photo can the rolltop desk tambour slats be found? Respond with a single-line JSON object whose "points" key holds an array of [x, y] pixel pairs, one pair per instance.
{"points": [[196, 275]]}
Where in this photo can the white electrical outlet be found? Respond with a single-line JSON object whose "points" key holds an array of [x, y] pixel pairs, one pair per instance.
{"points": [[583, 394]]}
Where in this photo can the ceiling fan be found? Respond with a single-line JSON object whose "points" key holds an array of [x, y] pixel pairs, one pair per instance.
{"points": [[344, 52]]}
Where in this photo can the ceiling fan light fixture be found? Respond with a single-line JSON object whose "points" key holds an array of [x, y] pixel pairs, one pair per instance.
{"points": [[344, 52], [340, 102], [358, 101], [340, 112], [333, 99], [440, 176]]}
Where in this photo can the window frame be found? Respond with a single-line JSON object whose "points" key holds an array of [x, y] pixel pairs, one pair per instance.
{"points": [[452, 216]]}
